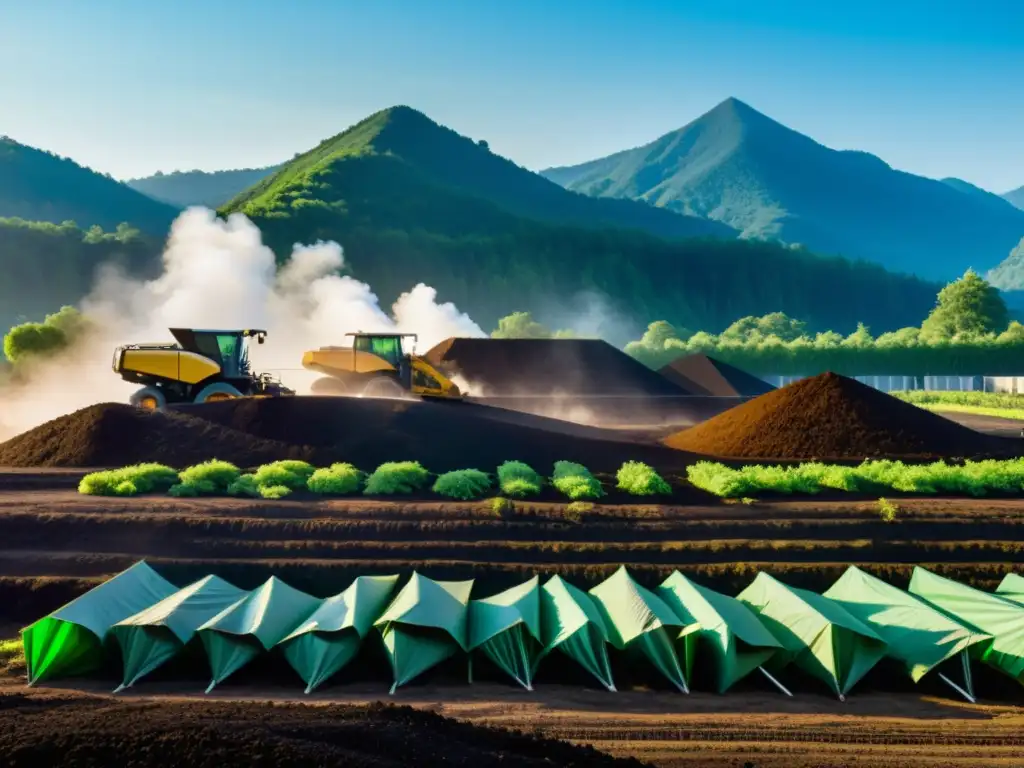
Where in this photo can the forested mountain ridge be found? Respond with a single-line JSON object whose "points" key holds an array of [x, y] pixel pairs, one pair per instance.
{"points": [[412, 201], [40, 186], [740, 167], [209, 188]]}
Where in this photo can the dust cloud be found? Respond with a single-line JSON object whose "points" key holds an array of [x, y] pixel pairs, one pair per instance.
{"points": [[219, 274]]}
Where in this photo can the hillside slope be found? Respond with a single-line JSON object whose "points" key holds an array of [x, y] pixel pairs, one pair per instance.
{"points": [[1009, 274], [212, 189], [40, 186], [737, 166], [413, 201], [1016, 197]]}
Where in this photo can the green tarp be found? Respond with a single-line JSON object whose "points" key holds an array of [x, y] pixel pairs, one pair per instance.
{"points": [[571, 622], [151, 637], [506, 628], [1012, 587], [330, 638], [252, 625], [424, 625], [917, 634], [997, 616], [70, 640], [640, 622], [817, 634], [729, 631]]}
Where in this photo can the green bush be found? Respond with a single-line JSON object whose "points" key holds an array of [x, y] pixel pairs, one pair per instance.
{"points": [[290, 473], [210, 477], [519, 480], [128, 481], [336, 480], [575, 481], [463, 484], [274, 491], [641, 480], [245, 485], [396, 477]]}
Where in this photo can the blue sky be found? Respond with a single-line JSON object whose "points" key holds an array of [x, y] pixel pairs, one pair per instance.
{"points": [[933, 87]]}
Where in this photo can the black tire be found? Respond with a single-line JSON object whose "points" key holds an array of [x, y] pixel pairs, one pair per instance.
{"points": [[149, 398], [219, 390]]}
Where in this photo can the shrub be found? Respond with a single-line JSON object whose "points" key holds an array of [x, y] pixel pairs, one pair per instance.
{"points": [[290, 473], [463, 484], [396, 477], [210, 477], [336, 480], [887, 510], [12, 655], [274, 491], [128, 481], [641, 480], [245, 485], [519, 480], [501, 506], [575, 481]]}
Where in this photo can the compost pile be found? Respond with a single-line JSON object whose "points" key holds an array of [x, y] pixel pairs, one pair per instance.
{"points": [[703, 375], [98, 732], [834, 417], [111, 434]]}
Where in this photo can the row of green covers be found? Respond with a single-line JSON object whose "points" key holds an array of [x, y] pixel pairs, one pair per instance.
{"points": [[506, 628], [252, 625], [920, 636], [70, 640], [999, 616], [330, 638], [571, 623], [640, 623], [1012, 587], [424, 625], [817, 634]]}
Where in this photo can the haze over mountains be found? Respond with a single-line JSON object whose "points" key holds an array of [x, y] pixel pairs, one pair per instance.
{"points": [[212, 189], [740, 167]]}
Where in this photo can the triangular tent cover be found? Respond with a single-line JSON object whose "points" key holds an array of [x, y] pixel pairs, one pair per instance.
{"points": [[424, 625], [997, 616], [729, 630], [817, 634], [638, 620], [151, 637], [1012, 586], [506, 628], [70, 640], [917, 634], [252, 625], [329, 639], [571, 622]]}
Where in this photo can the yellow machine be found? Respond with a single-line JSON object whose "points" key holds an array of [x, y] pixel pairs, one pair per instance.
{"points": [[203, 366], [376, 365]]}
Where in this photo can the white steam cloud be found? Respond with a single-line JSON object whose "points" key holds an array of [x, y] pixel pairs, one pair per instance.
{"points": [[219, 274]]}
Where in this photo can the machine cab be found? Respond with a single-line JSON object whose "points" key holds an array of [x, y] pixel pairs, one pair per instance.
{"points": [[229, 349]]}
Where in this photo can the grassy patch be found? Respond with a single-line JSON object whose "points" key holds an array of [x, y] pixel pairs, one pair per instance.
{"points": [[129, 481], [463, 484], [576, 481], [337, 480], [12, 656], [290, 474], [640, 479], [210, 478], [397, 477], [999, 404], [519, 480]]}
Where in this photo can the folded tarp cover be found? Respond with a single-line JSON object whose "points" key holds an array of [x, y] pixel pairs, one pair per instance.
{"points": [[997, 616], [571, 622], [1012, 587], [424, 625], [640, 621], [70, 640], [329, 639], [507, 629], [728, 629], [917, 634], [817, 634], [151, 637], [252, 625]]}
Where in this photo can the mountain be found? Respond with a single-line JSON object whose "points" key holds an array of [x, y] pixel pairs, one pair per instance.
{"points": [[1016, 198], [41, 186], [186, 188], [1009, 274], [413, 201], [740, 167]]}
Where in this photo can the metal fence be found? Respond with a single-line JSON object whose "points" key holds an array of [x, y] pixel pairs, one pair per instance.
{"points": [[1012, 384]]}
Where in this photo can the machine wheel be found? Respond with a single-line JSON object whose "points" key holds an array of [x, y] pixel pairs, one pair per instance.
{"points": [[216, 392], [329, 386], [382, 386], [149, 398]]}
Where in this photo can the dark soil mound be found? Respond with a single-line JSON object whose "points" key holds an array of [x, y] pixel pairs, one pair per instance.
{"points": [[442, 435], [833, 417], [585, 367], [703, 375], [100, 733], [111, 434]]}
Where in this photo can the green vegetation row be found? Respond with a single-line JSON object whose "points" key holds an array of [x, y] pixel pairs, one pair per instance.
{"points": [[1001, 404], [513, 479], [969, 332], [972, 478]]}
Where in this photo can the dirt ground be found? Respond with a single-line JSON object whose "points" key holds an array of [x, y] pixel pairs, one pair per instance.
{"points": [[762, 729]]}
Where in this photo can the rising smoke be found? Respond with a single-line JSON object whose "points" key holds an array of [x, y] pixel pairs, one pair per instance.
{"points": [[219, 274]]}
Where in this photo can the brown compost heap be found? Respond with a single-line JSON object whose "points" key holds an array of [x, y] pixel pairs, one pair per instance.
{"points": [[704, 375], [834, 417]]}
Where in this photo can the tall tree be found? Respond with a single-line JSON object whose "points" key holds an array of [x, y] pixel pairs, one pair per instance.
{"points": [[966, 307]]}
